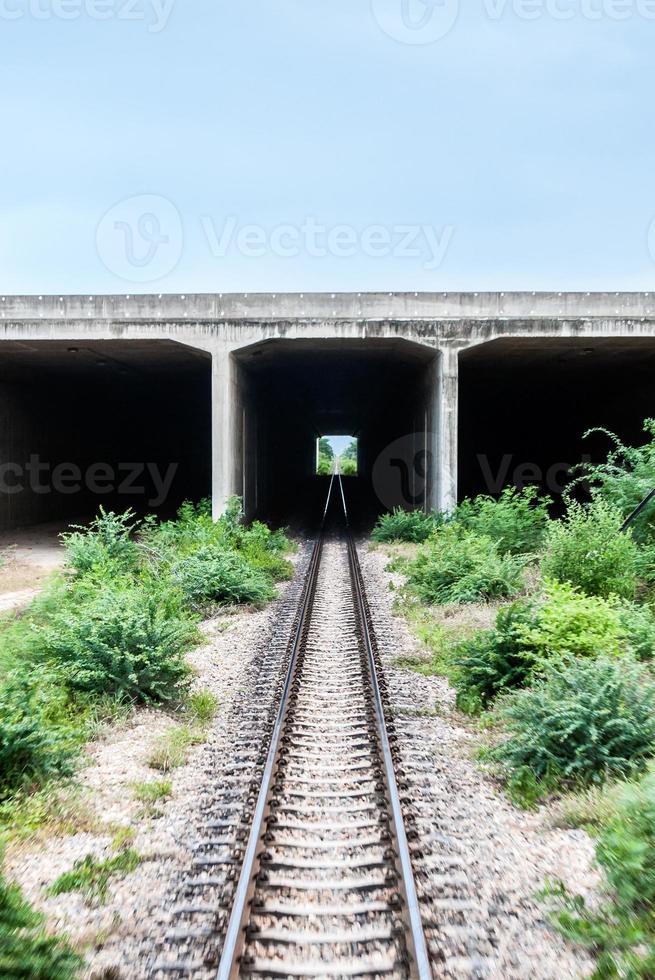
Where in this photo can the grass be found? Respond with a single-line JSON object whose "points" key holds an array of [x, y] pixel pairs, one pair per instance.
{"points": [[152, 792], [92, 877], [55, 810], [202, 707], [27, 950], [438, 630], [171, 749], [593, 808]]}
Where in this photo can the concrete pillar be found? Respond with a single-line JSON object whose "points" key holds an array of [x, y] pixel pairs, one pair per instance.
{"points": [[226, 449], [445, 431]]}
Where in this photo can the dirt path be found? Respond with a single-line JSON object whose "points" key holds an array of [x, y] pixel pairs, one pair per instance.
{"points": [[27, 557]]}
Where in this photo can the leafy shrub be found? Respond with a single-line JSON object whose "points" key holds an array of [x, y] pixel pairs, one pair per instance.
{"points": [[583, 721], [638, 627], [516, 521], [571, 622], [26, 951], [527, 636], [105, 542], [405, 525], [493, 661], [624, 479], [325, 464], [126, 640], [195, 531], [264, 549], [622, 932], [587, 549], [213, 574], [347, 467], [461, 566], [32, 748]]}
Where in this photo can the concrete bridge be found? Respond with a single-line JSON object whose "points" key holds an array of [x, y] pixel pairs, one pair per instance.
{"points": [[442, 389]]}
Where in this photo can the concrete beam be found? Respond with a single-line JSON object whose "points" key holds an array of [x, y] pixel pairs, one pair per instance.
{"points": [[328, 306]]}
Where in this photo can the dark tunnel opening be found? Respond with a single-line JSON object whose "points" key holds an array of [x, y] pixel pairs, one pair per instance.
{"points": [[291, 392], [525, 404], [111, 423]]}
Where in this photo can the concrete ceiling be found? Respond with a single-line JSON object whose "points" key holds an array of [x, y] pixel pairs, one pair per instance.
{"points": [[522, 353], [46, 359]]}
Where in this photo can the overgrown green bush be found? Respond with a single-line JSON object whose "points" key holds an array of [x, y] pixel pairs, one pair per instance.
{"points": [[493, 661], [126, 639], [529, 635], [587, 549], [26, 951], [461, 566], [624, 479], [347, 467], [406, 525], [637, 624], [516, 521], [583, 721], [33, 747], [194, 530], [264, 549], [570, 622], [106, 543], [621, 933], [116, 630], [213, 574]]}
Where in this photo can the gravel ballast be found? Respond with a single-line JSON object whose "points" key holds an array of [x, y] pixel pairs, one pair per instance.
{"points": [[480, 862]]}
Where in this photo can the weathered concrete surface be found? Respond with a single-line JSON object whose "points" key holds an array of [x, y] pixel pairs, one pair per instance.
{"points": [[223, 325], [329, 306]]}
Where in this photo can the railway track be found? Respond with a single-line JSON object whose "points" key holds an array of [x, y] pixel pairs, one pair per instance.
{"points": [[325, 886]]}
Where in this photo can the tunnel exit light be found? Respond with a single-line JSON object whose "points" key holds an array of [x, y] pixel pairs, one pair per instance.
{"points": [[336, 454]]}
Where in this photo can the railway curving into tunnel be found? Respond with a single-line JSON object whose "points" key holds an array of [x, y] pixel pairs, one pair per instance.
{"points": [[144, 402]]}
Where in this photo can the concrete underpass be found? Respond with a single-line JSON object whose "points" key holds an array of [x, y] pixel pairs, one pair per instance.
{"points": [[146, 400], [524, 405], [291, 392], [107, 422]]}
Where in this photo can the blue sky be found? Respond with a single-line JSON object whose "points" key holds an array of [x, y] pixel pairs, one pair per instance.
{"points": [[314, 145]]}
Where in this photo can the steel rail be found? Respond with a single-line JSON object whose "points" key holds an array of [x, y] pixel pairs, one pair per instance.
{"points": [[417, 946], [228, 967], [235, 938]]}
